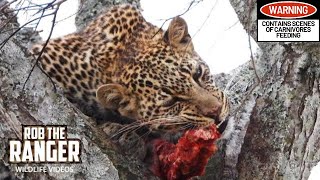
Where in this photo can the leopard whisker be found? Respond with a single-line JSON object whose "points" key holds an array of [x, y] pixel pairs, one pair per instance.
{"points": [[168, 121], [125, 129], [187, 126]]}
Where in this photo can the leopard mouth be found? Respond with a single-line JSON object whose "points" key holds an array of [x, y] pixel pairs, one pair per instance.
{"points": [[216, 118], [219, 122]]}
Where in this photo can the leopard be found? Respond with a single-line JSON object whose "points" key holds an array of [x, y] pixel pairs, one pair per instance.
{"points": [[121, 64]]}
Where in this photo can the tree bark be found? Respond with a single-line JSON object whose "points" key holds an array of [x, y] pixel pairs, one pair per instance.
{"points": [[277, 114]]}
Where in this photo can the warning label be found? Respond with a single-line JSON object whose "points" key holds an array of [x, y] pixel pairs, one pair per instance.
{"points": [[288, 21]]}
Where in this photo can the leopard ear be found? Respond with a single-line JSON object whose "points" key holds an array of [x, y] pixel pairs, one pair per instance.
{"points": [[117, 97], [177, 34]]}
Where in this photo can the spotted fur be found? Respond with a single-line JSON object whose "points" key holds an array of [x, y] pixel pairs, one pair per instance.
{"points": [[122, 63]]}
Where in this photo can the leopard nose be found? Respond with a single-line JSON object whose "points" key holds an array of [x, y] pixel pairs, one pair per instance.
{"points": [[213, 111]]}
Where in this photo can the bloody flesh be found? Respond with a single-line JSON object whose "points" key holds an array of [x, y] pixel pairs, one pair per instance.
{"points": [[187, 158]]}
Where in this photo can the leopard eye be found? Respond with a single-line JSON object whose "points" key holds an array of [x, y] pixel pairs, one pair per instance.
{"points": [[197, 74], [172, 102]]}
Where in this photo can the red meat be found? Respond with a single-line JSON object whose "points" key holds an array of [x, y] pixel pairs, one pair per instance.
{"points": [[186, 159]]}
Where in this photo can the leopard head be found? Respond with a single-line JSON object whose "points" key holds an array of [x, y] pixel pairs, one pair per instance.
{"points": [[163, 83]]}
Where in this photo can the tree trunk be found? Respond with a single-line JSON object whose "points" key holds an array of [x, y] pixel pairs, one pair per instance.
{"points": [[275, 106]]}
